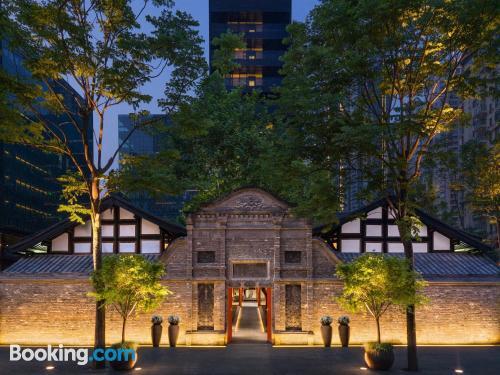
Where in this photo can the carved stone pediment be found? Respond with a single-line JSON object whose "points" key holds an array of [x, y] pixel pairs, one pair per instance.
{"points": [[248, 200]]}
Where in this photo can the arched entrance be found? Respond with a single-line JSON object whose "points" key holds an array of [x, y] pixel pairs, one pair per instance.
{"points": [[249, 315]]}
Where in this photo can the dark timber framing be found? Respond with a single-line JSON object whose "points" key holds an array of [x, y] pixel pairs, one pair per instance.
{"points": [[168, 231], [334, 235]]}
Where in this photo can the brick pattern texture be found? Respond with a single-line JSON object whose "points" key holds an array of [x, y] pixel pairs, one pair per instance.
{"points": [[247, 226]]}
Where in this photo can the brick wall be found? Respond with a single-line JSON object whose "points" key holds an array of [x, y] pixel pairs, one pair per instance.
{"points": [[457, 313], [58, 311]]}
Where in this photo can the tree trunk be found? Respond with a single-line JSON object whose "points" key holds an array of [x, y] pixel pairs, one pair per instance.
{"points": [[411, 327], [377, 320], [123, 329], [100, 312], [406, 239], [497, 225]]}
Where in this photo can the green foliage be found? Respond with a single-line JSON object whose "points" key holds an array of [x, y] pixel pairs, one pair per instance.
{"points": [[129, 283], [223, 54], [73, 193], [480, 168], [377, 347], [108, 56], [373, 283], [125, 345], [368, 83]]}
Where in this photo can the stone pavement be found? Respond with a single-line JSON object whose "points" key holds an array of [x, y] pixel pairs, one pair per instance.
{"points": [[262, 359], [248, 328]]}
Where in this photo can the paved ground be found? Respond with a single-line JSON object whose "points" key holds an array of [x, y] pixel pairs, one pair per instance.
{"points": [[248, 328], [262, 359]]}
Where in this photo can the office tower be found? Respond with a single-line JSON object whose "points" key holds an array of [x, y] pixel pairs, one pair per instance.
{"points": [[144, 142], [29, 190], [264, 25]]}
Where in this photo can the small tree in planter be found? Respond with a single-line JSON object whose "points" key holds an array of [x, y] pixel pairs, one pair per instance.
{"points": [[131, 284], [373, 283]]}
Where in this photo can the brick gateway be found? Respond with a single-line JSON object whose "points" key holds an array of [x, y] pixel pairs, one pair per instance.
{"points": [[250, 239]]}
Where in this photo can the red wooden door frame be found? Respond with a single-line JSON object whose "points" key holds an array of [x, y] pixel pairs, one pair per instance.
{"points": [[269, 320], [229, 314]]}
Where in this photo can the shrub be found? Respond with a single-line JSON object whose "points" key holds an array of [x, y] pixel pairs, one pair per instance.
{"points": [[174, 320], [326, 320]]}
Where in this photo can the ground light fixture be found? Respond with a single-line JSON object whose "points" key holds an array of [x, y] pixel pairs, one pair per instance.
{"points": [[138, 369], [459, 371], [50, 367], [363, 368]]}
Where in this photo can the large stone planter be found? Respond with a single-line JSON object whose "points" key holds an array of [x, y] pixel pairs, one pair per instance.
{"points": [[326, 334], [344, 333], [173, 334], [379, 359], [156, 330], [124, 364]]}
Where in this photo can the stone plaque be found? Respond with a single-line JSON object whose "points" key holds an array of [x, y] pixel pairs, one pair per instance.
{"points": [[205, 306], [293, 256], [250, 270], [206, 257], [293, 314]]}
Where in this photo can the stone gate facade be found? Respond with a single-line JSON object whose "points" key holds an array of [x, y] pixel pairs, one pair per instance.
{"points": [[250, 239]]}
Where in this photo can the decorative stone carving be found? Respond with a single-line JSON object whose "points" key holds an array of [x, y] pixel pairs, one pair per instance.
{"points": [[250, 202]]}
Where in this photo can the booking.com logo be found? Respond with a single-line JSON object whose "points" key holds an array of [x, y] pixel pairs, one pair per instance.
{"points": [[61, 354]]}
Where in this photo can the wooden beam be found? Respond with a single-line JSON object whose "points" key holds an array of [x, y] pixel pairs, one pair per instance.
{"points": [[116, 229], [241, 297], [71, 240], [162, 241], [137, 234], [257, 291]]}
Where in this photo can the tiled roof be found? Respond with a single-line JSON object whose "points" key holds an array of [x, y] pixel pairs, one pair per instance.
{"points": [[56, 264], [445, 264]]}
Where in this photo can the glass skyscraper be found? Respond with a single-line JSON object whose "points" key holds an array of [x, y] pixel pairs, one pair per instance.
{"points": [[29, 190], [263, 23]]}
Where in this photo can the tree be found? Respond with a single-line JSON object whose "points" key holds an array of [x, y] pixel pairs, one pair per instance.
{"points": [[129, 283], [480, 173], [101, 48], [383, 73], [219, 137], [373, 283]]}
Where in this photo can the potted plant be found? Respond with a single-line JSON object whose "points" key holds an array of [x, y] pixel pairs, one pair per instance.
{"points": [[156, 330], [374, 283], [173, 330], [131, 284], [326, 330], [344, 330]]}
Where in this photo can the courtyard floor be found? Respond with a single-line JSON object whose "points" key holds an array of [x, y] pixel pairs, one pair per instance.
{"points": [[262, 359]]}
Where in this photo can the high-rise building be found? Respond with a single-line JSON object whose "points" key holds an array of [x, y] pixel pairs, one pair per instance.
{"points": [[263, 23], [29, 190], [483, 126], [143, 142]]}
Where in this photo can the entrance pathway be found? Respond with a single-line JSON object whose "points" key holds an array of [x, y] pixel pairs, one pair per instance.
{"points": [[248, 327], [268, 360]]}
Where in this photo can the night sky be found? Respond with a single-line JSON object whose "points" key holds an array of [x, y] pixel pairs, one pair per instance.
{"points": [[199, 10]]}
